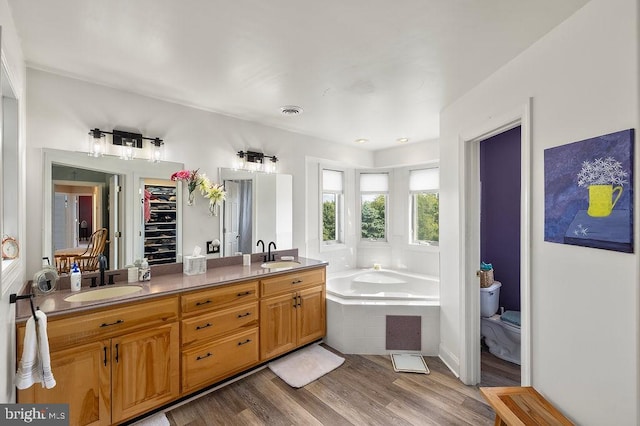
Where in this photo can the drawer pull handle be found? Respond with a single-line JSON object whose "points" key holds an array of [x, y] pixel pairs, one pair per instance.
{"points": [[244, 293], [204, 356], [244, 343], [295, 300], [105, 355], [200, 327], [104, 324], [117, 353], [244, 315], [203, 303], [299, 300], [296, 282]]}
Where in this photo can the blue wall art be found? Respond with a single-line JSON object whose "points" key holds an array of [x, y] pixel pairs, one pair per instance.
{"points": [[588, 192]]}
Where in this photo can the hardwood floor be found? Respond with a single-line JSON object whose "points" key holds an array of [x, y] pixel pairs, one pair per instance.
{"points": [[363, 391], [497, 372]]}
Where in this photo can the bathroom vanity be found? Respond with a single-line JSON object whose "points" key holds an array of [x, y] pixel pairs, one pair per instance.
{"points": [[114, 360]]}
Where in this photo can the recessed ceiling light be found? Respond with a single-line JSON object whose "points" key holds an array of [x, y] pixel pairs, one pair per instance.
{"points": [[402, 140], [291, 110], [362, 140]]}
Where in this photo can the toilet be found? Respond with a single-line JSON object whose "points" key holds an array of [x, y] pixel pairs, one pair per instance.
{"points": [[501, 333]]}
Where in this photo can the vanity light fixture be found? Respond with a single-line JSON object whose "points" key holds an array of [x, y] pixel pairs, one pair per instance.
{"points": [[257, 161], [127, 140]]}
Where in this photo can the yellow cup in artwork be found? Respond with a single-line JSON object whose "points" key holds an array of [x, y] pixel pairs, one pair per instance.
{"points": [[601, 200]]}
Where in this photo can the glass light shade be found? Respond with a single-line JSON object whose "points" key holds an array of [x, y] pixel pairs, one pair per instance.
{"points": [[97, 143], [127, 150], [157, 151]]}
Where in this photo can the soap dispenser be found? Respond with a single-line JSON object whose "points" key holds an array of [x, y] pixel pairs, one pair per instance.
{"points": [[75, 277]]}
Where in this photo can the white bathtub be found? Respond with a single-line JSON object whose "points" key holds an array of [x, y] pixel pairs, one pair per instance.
{"points": [[359, 301], [383, 285]]}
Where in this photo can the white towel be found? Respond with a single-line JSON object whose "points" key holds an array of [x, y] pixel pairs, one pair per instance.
{"points": [[35, 365]]}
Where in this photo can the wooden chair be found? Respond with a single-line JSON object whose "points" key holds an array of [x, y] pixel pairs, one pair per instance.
{"points": [[63, 263], [88, 261]]}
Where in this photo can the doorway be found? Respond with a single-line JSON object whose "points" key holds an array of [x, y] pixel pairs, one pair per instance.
{"points": [[470, 363], [500, 195]]}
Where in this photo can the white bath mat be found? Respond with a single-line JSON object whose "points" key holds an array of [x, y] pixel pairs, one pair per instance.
{"points": [[305, 365], [409, 363], [158, 419]]}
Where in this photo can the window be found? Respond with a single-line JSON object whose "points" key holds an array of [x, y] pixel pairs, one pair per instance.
{"points": [[332, 206], [423, 187], [374, 189]]}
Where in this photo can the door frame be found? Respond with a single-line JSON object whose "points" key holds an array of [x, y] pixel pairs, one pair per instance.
{"points": [[470, 239]]}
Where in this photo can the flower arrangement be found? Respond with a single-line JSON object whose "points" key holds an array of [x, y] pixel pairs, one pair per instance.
{"points": [[192, 178], [213, 192], [607, 171]]}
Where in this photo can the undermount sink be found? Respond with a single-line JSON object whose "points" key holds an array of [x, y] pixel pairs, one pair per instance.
{"points": [[103, 293], [278, 264]]}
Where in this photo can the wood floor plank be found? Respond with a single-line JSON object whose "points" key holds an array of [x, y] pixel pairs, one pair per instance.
{"points": [[365, 390], [289, 407]]}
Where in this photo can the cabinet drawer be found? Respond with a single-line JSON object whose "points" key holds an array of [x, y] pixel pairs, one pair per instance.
{"points": [[206, 326], [292, 281], [221, 358], [106, 323], [208, 299]]}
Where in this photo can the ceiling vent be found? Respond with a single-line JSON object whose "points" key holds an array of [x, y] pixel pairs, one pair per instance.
{"points": [[291, 110]]}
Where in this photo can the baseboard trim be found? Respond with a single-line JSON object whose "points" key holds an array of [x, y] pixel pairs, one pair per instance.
{"points": [[450, 360]]}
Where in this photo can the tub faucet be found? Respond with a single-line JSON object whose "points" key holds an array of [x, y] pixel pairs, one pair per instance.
{"points": [[102, 261], [270, 257], [262, 242]]}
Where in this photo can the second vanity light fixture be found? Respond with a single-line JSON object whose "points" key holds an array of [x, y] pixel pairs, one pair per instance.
{"points": [[127, 140], [257, 161]]}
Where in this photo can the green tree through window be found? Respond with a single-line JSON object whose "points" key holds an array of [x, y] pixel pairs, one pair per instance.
{"points": [[373, 216], [329, 218], [426, 217]]}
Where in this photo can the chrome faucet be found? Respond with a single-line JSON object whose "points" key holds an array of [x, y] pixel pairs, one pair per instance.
{"points": [[262, 242], [271, 258], [102, 261]]}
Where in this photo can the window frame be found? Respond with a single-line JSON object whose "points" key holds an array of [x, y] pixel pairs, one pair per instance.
{"points": [[339, 242], [386, 194], [412, 231]]}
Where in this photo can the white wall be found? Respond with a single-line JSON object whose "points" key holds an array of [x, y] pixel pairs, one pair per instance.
{"points": [[15, 276], [62, 110], [583, 79]]}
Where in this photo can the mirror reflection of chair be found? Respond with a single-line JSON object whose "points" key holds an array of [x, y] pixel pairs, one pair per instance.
{"points": [[88, 261], [63, 263]]}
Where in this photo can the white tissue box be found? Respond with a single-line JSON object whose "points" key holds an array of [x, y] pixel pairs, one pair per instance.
{"points": [[194, 265]]}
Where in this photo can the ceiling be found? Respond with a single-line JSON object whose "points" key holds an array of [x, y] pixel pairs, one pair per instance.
{"points": [[373, 69]]}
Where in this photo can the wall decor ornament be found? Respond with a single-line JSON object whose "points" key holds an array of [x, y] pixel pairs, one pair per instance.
{"points": [[589, 192]]}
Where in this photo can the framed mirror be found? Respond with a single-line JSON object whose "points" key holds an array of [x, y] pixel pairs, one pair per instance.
{"points": [[258, 206], [84, 195]]}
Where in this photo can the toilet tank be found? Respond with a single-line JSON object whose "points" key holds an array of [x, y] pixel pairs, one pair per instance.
{"points": [[490, 299]]}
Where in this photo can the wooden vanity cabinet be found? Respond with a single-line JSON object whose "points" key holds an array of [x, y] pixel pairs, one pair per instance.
{"points": [[292, 311], [115, 368], [219, 330]]}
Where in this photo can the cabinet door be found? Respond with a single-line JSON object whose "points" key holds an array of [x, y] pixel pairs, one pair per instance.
{"points": [[277, 325], [145, 370], [311, 322], [83, 381]]}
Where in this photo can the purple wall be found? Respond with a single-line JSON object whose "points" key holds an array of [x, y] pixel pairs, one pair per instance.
{"points": [[500, 212]]}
